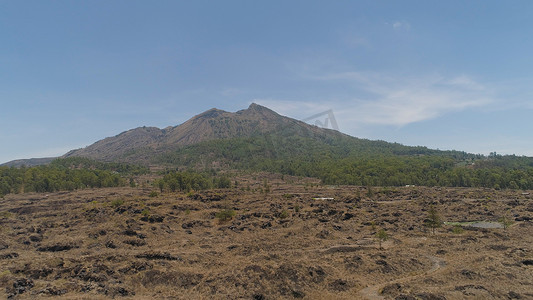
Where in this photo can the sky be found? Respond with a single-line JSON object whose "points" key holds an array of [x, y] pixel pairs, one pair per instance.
{"points": [[442, 74]]}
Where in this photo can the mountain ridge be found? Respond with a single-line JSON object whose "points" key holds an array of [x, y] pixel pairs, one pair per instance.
{"points": [[213, 124]]}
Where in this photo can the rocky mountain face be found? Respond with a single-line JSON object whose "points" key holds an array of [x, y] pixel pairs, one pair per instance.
{"points": [[141, 143]]}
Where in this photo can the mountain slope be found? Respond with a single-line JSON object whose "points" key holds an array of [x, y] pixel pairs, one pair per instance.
{"points": [[141, 144]]}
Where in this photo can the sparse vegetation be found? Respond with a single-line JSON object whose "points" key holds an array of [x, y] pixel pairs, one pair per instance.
{"points": [[458, 229], [382, 236], [225, 215], [506, 222], [202, 247], [116, 203], [433, 220]]}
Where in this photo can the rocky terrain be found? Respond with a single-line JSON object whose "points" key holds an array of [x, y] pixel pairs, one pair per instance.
{"points": [[269, 237]]}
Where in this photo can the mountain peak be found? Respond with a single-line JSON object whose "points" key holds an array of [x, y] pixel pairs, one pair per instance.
{"points": [[140, 143], [258, 110]]}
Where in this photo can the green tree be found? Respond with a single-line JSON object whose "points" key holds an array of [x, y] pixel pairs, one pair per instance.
{"points": [[506, 222], [382, 236], [433, 219]]}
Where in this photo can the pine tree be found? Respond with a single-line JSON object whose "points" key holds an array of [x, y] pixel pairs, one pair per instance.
{"points": [[433, 220]]}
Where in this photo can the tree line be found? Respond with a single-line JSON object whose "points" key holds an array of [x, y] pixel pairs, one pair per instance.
{"points": [[189, 180], [65, 174], [338, 160]]}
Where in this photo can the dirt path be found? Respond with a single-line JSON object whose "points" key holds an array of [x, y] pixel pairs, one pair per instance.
{"points": [[372, 292]]}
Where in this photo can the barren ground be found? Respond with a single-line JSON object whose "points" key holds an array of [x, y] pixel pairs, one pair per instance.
{"points": [[292, 242]]}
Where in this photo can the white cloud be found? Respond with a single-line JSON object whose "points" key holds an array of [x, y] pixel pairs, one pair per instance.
{"points": [[401, 25], [384, 99]]}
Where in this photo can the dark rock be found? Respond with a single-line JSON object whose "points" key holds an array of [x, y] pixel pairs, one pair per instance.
{"points": [[298, 294], [36, 238], [56, 248], [498, 247], [405, 297], [266, 225], [391, 289], [347, 216], [469, 274], [317, 274], [429, 296], [136, 243], [385, 267], [40, 273], [110, 244], [136, 267], [22, 285], [9, 255], [528, 262], [156, 255], [52, 291], [339, 285], [153, 219], [342, 249], [130, 232]]}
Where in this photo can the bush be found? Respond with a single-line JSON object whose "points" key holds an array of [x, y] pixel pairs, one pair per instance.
{"points": [[457, 229], [225, 215], [145, 212], [116, 203]]}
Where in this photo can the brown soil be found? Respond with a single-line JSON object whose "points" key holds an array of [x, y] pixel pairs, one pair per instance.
{"points": [[292, 242]]}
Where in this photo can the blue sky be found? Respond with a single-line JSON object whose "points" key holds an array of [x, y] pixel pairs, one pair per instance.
{"points": [[443, 74]]}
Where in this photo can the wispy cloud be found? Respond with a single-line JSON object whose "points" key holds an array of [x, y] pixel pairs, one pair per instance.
{"points": [[400, 101], [385, 99], [400, 25]]}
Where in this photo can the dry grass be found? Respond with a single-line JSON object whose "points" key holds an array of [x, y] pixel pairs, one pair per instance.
{"points": [[292, 242]]}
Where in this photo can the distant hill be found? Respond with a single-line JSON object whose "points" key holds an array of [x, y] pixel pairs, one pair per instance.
{"points": [[30, 162]]}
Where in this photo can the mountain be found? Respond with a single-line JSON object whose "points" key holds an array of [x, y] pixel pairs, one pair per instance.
{"points": [[259, 139], [30, 162], [141, 144]]}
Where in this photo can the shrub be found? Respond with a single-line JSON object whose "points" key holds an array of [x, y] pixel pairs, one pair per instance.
{"points": [[145, 212], [153, 194], [284, 214], [116, 203], [506, 222], [382, 236], [225, 215], [457, 229]]}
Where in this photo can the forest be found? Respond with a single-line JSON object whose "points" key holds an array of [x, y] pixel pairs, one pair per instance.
{"points": [[357, 162], [65, 174], [334, 159]]}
